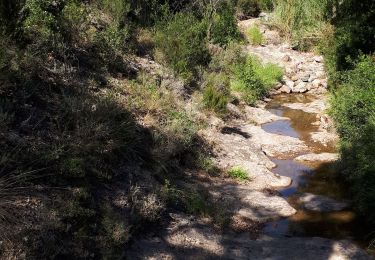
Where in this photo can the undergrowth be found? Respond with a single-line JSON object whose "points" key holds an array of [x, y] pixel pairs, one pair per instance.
{"points": [[238, 173]]}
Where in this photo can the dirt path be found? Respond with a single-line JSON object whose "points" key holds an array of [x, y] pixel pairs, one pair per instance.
{"points": [[254, 142]]}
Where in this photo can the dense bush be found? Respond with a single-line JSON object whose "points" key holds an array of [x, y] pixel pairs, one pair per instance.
{"points": [[248, 8], [216, 92], [353, 35], [182, 41], [224, 27], [353, 108], [253, 79]]}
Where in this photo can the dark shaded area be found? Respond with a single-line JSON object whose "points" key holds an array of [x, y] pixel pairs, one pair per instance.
{"points": [[234, 130]]}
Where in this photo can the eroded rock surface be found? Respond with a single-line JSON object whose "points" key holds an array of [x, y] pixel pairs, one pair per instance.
{"points": [[322, 157], [188, 238], [235, 147], [321, 203]]}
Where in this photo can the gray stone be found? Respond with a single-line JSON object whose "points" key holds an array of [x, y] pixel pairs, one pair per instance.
{"points": [[290, 84], [300, 88], [321, 203], [322, 157], [285, 89], [305, 78], [318, 59]]}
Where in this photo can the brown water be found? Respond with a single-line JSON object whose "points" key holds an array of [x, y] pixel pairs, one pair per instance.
{"points": [[316, 178]]}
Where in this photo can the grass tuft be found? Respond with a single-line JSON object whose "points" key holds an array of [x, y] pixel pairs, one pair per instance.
{"points": [[254, 35], [238, 173]]}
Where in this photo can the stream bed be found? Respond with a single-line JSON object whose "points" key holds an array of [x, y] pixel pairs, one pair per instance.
{"points": [[313, 177]]}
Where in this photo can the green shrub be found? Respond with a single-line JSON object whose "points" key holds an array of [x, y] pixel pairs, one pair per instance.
{"points": [[248, 8], [254, 35], [182, 41], [253, 79], [216, 93], [247, 82], [225, 59], [353, 108], [269, 74], [197, 205], [353, 35], [208, 165], [214, 99], [224, 26], [267, 5], [238, 173]]}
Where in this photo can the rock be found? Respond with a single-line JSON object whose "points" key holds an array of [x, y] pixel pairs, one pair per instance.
{"points": [[290, 84], [300, 88], [190, 238], [236, 147], [318, 59], [324, 137], [314, 107], [305, 78], [286, 58], [312, 78], [295, 77], [254, 205], [322, 157], [316, 83], [274, 145], [261, 116], [233, 110], [278, 86], [320, 74], [285, 89], [321, 203], [289, 71]]}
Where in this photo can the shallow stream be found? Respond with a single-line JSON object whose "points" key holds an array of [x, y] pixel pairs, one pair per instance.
{"points": [[315, 177]]}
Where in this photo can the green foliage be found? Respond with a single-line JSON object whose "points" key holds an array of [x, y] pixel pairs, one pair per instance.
{"points": [[269, 74], [208, 165], [224, 25], [353, 108], [302, 21], [353, 35], [248, 8], [238, 173], [254, 35], [216, 93], [182, 41], [253, 79], [225, 59], [40, 22], [197, 205]]}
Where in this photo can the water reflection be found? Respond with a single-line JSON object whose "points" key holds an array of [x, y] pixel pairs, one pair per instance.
{"points": [[316, 178]]}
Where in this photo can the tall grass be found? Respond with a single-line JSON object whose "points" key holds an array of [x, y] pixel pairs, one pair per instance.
{"points": [[253, 79], [302, 21], [254, 35]]}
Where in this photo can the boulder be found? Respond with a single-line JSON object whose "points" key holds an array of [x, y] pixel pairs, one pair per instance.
{"points": [[300, 88], [285, 89], [321, 203], [290, 84]]}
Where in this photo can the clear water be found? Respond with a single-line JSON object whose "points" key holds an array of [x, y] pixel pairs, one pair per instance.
{"points": [[316, 178]]}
